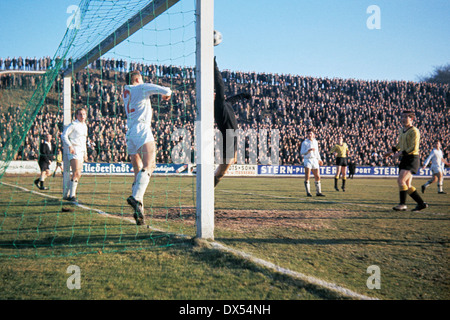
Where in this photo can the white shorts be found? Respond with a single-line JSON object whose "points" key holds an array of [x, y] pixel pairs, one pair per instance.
{"points": [[436, 169], [311, 163], [137, 136], [78, 155]]}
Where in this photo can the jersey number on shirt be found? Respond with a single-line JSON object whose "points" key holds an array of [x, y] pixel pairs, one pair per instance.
{"points": [[126, 93]]}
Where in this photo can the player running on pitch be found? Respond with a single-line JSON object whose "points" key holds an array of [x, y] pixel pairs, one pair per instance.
{"points": [[44, 161], [140, 141], [437, 167]]}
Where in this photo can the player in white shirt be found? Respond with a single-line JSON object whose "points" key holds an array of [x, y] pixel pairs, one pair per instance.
{"points": [[74, 138], [140, 142], [437, 167], [311, 162]]}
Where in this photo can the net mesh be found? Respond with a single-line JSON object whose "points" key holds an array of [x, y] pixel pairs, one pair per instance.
{"points": [[39, 223]]}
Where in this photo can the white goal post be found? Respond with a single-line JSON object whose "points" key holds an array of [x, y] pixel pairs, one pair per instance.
{"points": [[205, 120]]}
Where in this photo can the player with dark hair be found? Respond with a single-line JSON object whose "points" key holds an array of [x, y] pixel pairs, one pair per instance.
{"points": [[140, 141], [341, 151], [407, 149], [45, 159], [311, 162]]}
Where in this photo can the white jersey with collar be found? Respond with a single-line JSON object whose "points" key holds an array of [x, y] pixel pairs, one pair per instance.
{"points": [[75, 135], [308, 144], [137, 102], [435, 157]]}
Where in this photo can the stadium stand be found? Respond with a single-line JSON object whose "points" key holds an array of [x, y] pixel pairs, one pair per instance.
{"points": [[366, 113]]}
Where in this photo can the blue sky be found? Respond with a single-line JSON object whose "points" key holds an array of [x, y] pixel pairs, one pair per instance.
{"points": [[321, 38]]}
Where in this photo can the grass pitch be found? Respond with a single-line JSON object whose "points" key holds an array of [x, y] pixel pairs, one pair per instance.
{"points": [[335, 239]]}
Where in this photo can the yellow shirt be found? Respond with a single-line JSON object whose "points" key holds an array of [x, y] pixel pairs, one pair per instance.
{"points": [[409, 141], [340, 150]]}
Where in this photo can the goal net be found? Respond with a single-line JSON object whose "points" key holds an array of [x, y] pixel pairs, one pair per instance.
{"points": [[104, 40]]}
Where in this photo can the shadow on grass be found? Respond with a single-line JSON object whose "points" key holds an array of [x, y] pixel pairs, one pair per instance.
{"points": [[45, 224], [344, 241], [67, 247], [224, 260]]}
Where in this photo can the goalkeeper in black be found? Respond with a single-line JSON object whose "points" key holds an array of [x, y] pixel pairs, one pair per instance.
{"points": [[45, 159], [226, 123], [408, 150]]}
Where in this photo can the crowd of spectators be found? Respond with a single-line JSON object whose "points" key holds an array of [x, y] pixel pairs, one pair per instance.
{"points": [[25, 64], [365, 113]]}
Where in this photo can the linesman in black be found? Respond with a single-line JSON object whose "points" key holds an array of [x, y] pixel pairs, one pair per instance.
{"points": [[45, 158], [407, 149], [226, 123]]}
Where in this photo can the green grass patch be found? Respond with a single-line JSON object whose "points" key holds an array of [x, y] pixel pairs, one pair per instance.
{"points": [[335, 238]]}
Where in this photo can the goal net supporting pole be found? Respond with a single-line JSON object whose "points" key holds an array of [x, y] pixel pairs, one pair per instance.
{"points": [[205, 118], [67, 106]]}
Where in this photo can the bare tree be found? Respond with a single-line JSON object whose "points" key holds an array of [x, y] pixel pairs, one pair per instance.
{"points": [[440, 74]]}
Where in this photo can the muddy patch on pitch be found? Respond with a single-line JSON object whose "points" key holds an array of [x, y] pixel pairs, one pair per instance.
{"points": [[247, 220]]}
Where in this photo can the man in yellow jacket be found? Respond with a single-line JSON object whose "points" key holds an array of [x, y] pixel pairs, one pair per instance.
{"points": [[408, 149], [341, 151]]}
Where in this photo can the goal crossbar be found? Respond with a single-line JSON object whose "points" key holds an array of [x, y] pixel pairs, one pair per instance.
{"points": [[143, 17]]}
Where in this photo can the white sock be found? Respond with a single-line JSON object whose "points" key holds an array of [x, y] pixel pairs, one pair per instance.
{"points": [[440, 187], [142, 181], [73, 188], [69, 190], [318, 187], [307, 187]]}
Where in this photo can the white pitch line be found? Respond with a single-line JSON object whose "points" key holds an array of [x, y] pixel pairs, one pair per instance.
{"points": [[297, 275], [312, 280], [74, 203]]}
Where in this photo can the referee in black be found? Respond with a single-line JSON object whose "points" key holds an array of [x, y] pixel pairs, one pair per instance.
{"points": [[45, 158]]}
